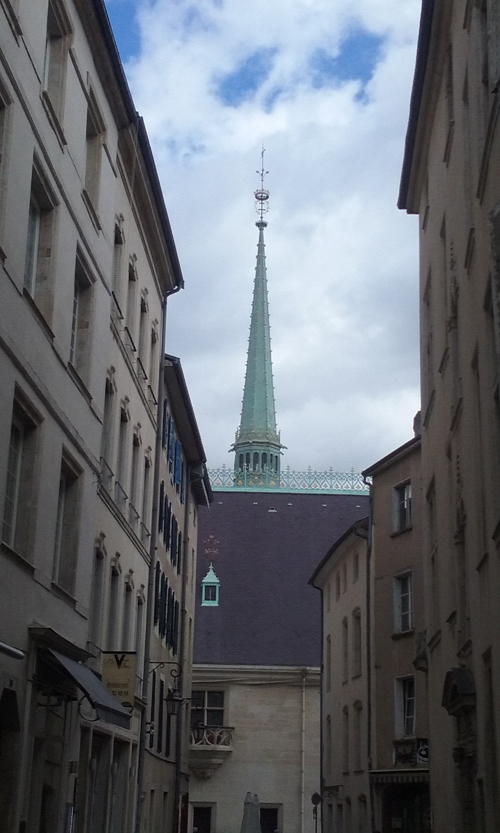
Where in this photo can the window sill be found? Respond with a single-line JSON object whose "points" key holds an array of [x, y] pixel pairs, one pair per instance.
{"points": [[401, 531], [92, 212], [17, 557], [434, 640], [53, 119], [62, 593], [38, 314], [77, 379], [12, 18], [403, 634]]}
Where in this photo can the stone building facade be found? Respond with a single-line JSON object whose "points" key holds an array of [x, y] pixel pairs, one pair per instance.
{"points": [[374, 729], [87, 262], [451, 179], [342, 578], [255, 709], [398, 740]]}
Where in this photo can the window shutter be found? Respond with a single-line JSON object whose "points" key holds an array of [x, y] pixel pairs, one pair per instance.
{"points": [[163, 599], [157, 593], [176, 627], [168, 522], [165, 424], [160, 507], [179, 552], [178, 460]]}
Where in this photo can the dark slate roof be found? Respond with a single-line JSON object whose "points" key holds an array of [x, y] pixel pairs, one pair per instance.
{"points": [[267, 614]]}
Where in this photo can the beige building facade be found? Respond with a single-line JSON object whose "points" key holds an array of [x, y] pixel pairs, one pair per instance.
{"points": [[87, 261], [451, 179], [398, 739], [184, 490], [342, 579], [266, 743]]}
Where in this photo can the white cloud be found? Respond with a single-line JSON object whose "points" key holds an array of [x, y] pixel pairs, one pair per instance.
{"points": [[342, 261]]}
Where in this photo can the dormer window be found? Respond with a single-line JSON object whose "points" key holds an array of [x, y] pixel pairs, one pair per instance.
{"points": [[210, 589]]}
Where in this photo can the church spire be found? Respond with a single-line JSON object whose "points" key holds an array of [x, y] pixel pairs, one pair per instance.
{"points": [[257, 445]]}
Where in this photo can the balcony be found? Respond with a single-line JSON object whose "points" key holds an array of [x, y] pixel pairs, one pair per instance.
{"points": [[133, 517], [116, 313], [121, 497], [410, 752], [106, 476], [209, 747], [130, 347], [145, 534]]}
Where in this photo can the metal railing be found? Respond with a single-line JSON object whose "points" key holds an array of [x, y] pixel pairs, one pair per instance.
{"points": [[121, 497], [133, 517], [211, 736], [288, 480], [107, 475]]}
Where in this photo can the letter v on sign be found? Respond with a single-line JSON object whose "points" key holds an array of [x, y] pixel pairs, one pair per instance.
{"points": [[120, 659]]}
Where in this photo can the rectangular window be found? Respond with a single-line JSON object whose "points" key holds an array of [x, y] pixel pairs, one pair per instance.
{"points": [[113, 609], [356, 643], [128, 600], [345, 650], [345, 739], [328, 663], [358, 712], [67, 525], [96, 598], [38, 265], [207, 708], [81, 320], [139, 641], [402, 507], [403, 603], [21, 480], [57, 43], [95, 135], [405, 706], [270, 818], [355, 566], [202, 819]]}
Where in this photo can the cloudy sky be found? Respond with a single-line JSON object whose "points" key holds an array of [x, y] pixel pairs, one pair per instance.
{"points": [[324, 86]]}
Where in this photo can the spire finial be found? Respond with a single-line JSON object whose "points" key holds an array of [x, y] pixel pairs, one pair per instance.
{"points": [[261, 195]]}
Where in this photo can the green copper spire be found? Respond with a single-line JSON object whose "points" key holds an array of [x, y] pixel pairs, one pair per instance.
{"points": [[257, 444]]}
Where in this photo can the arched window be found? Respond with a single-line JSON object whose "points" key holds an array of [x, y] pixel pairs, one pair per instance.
{"points": [[264, 460], [247, 459], [240, 463], [255, 460]]}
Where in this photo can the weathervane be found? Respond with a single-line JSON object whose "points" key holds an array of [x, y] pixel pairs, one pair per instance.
{"points": [[261, 195]]}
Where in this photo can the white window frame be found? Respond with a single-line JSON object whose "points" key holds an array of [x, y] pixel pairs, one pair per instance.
{"points": [[13, 484], [402, 506], [405, 706], [402, 594]]}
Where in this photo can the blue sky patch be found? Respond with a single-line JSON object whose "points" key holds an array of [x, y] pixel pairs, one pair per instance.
{"points": [[357, 59], [241, 84], [122, 14]]}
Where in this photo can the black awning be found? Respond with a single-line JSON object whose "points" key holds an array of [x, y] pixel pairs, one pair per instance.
{"points": [[107, 706]]}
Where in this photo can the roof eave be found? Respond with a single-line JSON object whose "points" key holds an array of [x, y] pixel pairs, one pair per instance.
{"points": [[393, 456], [354, 530], [406, 199]]}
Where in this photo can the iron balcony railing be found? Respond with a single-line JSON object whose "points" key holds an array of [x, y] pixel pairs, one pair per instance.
{"points": [[212, 736], [225, 477]]}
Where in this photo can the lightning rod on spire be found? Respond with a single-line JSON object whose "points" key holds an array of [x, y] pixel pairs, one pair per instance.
{"points": [[261, 195]]}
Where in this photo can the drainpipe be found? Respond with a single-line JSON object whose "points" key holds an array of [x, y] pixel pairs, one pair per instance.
{"points": [[321, 706], [151, 572], [369, 650], [179, 729], [303, 674]]}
